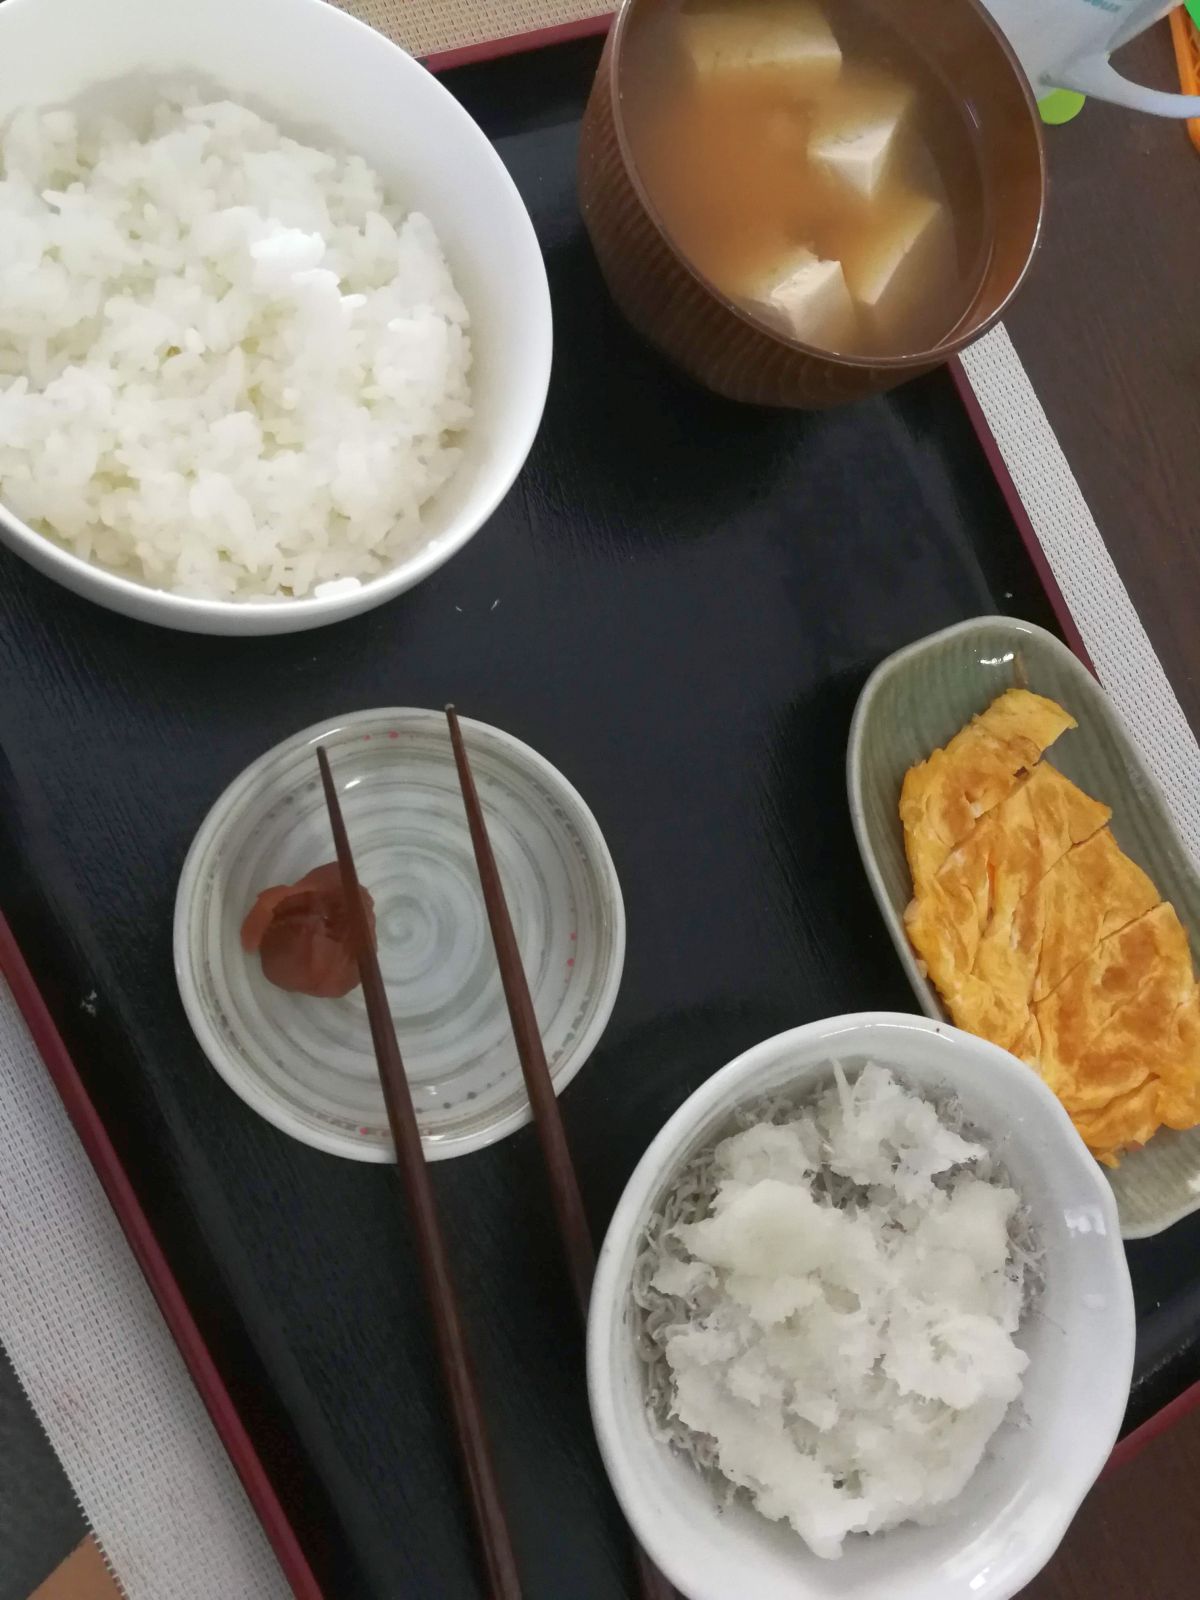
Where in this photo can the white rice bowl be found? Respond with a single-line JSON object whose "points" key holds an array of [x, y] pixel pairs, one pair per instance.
{"points": [[230, 366]]}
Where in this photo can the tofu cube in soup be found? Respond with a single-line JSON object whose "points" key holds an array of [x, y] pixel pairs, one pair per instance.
{"points": [[903, 264], [795, 39], [808, 298], [856, 137]]}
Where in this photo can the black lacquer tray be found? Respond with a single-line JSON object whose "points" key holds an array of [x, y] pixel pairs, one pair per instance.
{"points": [[677, 604]]}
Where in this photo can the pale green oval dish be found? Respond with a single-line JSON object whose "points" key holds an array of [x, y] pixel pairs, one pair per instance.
{"points": [[919, 698]]}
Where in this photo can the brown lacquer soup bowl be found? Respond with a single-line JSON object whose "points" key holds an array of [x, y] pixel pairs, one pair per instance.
{"points": [[680, 311]]}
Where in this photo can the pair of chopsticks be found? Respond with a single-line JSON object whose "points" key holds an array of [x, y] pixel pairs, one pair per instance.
{"points": [[503, 1580]]}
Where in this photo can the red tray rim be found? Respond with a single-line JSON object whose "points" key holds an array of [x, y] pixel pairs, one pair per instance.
{"points": [[518, 43]]}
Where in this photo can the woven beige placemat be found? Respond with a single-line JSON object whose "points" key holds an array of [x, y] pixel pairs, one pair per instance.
{"points": [[99, 1366], [1096, 596], [426, 27]]}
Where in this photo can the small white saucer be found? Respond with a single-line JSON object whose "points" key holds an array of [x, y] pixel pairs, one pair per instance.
{"points": [[307, 1065]]}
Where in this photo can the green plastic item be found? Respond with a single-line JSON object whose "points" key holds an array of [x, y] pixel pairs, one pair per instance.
{"points": [[1193, 10], [1060, 105]]}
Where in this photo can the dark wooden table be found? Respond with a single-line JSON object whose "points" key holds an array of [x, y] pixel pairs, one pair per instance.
{"points": [[1138, 1534], [1108, 327]]}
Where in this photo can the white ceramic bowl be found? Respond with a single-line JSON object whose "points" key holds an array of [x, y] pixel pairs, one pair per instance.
{"points": [[1079, 1336], [326, 78]]}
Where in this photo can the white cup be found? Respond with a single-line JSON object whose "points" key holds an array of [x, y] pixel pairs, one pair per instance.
{"points": [[1065, 44]]}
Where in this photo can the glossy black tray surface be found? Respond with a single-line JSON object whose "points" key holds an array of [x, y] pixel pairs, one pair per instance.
{"points": [[677, 604]]}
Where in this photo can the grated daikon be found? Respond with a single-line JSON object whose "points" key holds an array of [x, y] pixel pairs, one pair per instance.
{"points": [[828, 1305]]}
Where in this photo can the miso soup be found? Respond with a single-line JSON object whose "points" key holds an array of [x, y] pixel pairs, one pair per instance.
{"points": [[811, 166]]}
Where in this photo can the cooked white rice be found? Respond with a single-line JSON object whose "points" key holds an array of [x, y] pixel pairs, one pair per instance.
{"points": [[229, 366], [826, 1305]]}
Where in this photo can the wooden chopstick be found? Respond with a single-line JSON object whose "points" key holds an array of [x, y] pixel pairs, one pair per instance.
{"points": [[483, 1491], [566, 1199]]}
